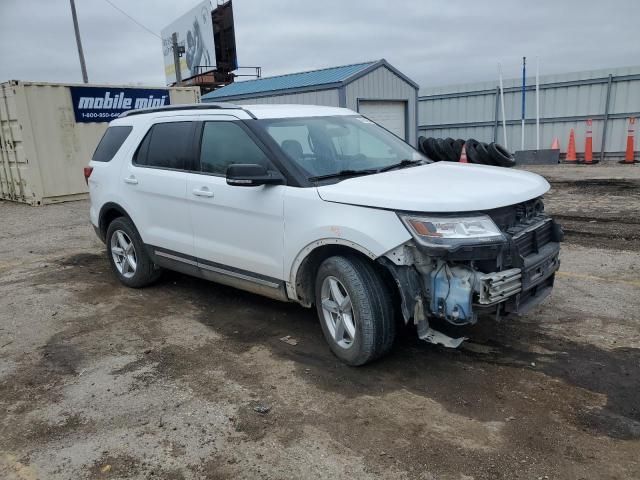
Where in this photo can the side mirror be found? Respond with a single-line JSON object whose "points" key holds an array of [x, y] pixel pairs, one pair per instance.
{"points": [[251, 175]]}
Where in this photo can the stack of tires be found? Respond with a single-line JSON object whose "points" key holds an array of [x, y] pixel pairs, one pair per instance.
{"points": [[449, 150]]}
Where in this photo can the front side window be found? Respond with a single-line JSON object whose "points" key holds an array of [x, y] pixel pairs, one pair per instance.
{"points": [[111, 142], [166, 145], [329, 145], [226, 143]]}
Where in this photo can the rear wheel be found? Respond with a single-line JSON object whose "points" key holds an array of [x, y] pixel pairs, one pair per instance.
{"points": [[127, 256], [355, 309]]}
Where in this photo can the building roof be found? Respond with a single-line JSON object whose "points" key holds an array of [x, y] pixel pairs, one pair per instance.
{"points": [[326, 77], [292, 80]]}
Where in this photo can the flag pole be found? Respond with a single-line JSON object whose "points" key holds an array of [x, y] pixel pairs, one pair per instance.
{"points": [[524, 72], [504, 120]]}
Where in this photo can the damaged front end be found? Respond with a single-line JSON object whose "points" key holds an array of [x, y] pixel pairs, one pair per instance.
{"points": [[458, 267]]}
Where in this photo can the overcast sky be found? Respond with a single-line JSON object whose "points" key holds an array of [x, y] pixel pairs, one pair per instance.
{"points": [[435, 42]]}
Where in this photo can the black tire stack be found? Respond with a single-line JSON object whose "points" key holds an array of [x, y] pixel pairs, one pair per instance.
{"points": [[449, 150]]}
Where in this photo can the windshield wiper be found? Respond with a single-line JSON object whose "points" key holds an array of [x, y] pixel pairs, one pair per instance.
{"points": [[401, 164], [344, 173]]}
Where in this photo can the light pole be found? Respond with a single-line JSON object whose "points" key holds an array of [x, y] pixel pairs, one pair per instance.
{"points": [[85, 79]]}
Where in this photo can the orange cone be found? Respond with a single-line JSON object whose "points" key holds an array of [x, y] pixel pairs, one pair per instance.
{"points": [[629, 156], [588, 143], [556, 144], [463, 154], [571, 149]]}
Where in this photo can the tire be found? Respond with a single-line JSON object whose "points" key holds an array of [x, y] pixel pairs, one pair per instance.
{"points": [[369, 329], [457, 147], [134, 269], [446, 148], [421, 144], [500, 155], [476, 152], [431, 149], [453, 149], [422, 147]]}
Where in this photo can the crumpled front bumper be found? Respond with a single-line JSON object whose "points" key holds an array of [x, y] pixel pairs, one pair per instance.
{"points": [[521, 288], [458, 290]]}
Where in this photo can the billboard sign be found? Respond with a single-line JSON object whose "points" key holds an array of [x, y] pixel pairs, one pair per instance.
{"points": [[224, 37], [195, 33], [103, 104]]}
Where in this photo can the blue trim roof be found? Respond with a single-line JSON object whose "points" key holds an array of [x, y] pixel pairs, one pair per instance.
{"points": [[326, 76]]}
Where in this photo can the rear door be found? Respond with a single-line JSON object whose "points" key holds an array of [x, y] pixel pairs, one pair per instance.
{"points": [[155, 185], [237, 230]]}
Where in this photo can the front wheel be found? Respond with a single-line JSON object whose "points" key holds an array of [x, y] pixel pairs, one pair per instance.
{"points": [[129, 260], [355, 309]]}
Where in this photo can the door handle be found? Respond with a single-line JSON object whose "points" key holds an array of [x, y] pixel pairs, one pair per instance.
{"points": [[204, 192], [131, 180]]}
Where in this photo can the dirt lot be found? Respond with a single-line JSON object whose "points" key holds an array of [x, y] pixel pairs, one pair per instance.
{"points": [[100, 381]]}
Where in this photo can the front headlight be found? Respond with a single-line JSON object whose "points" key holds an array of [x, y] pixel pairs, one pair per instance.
{"points": [[449, 232]]}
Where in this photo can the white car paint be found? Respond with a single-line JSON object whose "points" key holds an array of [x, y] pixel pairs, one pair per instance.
{"points": [[311, 222], [439, 187], [238, 227]]}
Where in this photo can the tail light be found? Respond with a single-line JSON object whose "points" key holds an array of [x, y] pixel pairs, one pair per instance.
{"points": [[87, 173]]}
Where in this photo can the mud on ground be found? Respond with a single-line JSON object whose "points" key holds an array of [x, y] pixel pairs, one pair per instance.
{"points": [[100, 381]]}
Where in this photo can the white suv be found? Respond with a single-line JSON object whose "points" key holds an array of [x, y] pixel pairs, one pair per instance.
{"points": [[320, 206]]}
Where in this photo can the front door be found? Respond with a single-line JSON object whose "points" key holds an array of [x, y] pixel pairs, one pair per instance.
{"points": [[236, 229]]}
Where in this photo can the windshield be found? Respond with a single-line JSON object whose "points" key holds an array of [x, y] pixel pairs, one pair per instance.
{"points": [[328, 146]]}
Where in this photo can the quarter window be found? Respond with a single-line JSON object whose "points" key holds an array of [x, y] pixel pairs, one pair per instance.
{"points": [[226, 143], [167, 145], [111, 142]]}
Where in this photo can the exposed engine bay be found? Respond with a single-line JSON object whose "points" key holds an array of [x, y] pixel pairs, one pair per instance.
{"points": [[511, 273]]}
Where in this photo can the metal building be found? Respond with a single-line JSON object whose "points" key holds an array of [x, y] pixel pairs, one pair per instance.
{"points": [[608, 97], [375, 89]]}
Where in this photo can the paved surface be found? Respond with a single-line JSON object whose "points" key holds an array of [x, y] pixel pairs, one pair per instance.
{"points": [[100, 381]]}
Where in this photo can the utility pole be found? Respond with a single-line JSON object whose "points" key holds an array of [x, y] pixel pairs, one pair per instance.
{"points": [[177, 51], [85, 79]]}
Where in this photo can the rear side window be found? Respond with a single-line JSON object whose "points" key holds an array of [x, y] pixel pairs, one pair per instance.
{"points": [[166, 145], [111, 142]]}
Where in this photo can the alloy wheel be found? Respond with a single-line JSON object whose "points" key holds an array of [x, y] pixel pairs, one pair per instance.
{"points": [[338, 312], [123, 253]]}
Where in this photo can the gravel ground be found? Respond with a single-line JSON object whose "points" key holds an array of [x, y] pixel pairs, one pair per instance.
{"points": [[100, 381]]}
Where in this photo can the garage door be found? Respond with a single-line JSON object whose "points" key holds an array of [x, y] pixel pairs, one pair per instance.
{"points": [[391, 115]]}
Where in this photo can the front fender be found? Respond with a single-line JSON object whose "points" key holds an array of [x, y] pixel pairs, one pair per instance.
{"points": [[311, 223]]}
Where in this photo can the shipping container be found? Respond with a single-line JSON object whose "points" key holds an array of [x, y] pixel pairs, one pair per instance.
{"points": [[48, 133]]}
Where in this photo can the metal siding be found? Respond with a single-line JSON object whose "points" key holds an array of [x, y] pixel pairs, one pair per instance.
{"points": [[383, 84], [329, 98], [476, 103], [43, 148]]}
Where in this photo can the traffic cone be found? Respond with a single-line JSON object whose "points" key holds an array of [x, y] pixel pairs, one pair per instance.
{"points": [[571, 149], [555, 145], [629, 156], [588, 143], [463, 154]]}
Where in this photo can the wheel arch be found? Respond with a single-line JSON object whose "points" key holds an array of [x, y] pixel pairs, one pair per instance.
{"points": [[300, 287], [109, 212]]}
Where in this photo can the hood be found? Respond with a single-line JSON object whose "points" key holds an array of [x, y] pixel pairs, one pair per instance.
{"points": [[439, 187]]}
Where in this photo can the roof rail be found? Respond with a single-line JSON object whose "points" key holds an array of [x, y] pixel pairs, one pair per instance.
{"points": [[189, 106]]}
